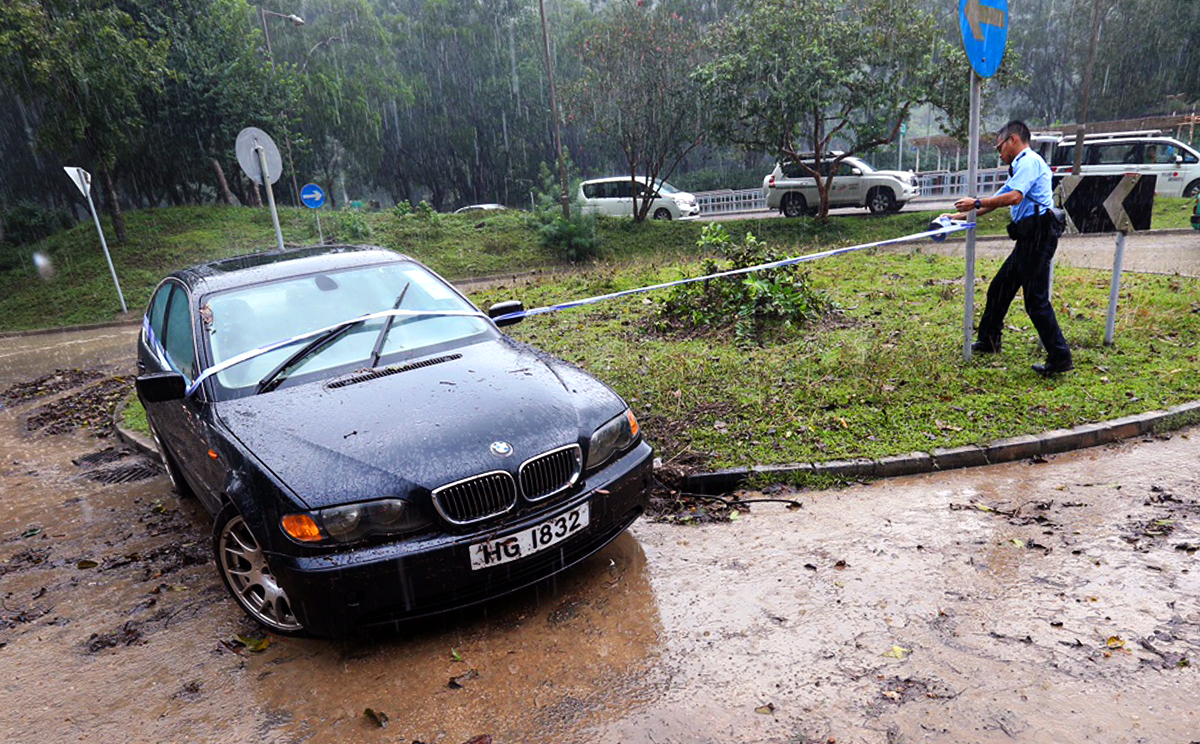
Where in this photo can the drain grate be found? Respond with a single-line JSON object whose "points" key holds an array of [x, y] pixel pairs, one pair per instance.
{"points": [[123, 473], [111, 454]]}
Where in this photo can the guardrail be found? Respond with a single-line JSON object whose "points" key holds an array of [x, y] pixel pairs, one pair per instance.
{"points": [[932, 186], [935, 185], [726, 201]]}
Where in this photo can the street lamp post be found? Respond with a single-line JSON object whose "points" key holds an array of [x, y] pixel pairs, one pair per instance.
{"points": [[296, 21]]}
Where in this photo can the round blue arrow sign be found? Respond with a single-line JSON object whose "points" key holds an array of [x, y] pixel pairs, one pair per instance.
{"points": [[312, 195], [984, 25]]}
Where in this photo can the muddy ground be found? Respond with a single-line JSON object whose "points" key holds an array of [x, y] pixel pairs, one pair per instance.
{"points": [[1049, 601]]}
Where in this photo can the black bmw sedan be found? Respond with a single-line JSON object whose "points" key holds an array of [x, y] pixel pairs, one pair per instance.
{"points": [[372, 447]]}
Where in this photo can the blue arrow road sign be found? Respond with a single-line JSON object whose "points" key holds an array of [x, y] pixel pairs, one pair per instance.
{"points": [[312, 195], [984, 32]]}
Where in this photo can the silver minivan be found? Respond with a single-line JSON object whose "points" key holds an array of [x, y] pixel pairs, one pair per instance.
{"points": [[614, 197], [1175, 164]]}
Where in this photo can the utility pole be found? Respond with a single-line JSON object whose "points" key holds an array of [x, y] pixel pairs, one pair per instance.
{"points": [[1081, 129], [562, 166]]}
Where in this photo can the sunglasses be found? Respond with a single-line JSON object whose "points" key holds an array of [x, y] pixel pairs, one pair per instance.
{"points": [[1000, 144]]}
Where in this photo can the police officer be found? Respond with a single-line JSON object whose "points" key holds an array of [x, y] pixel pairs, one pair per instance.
{"points": [[1035, 229]]}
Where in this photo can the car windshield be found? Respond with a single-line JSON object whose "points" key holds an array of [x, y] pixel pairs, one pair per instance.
{"points": [[256, 316], [666, 188]]}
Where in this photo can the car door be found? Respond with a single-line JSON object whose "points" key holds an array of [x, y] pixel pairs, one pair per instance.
{"points": [[1166, 161], [621, 203], [847, 188], [168, 344]]}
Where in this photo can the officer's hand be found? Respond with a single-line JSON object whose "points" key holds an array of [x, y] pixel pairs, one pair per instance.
{"points": [[965, 204]]}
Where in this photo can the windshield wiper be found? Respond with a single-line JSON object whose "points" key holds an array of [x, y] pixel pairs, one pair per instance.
{"points": [[273, 378], [387, 326]]}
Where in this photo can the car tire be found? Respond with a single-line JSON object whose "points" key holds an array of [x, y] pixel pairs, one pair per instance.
{"points": [[794, 205], [662, 213], [174, 474], [1193, 189], [881, 200], [243, 566]]}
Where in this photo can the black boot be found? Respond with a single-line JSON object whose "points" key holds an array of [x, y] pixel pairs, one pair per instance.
{"points": [[986, 345], [1050, 369]]}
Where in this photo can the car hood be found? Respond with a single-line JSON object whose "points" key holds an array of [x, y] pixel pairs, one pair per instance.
{"points": [[901, 175], [418, 429]]}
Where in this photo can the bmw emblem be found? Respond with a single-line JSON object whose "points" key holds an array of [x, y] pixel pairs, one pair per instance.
{"points": [[501, 449]]}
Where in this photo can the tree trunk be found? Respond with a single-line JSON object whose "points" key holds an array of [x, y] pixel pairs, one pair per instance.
{"points": [[255, 197], [222, 184], [114, 205]]}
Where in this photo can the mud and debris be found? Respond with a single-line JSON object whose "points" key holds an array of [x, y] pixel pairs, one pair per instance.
{"points": [[90, 409], [47, 385]]}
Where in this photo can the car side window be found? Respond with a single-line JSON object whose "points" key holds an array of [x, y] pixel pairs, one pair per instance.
{"points": [[158, 312], [590, 190], [178, 341], [622, 190]]}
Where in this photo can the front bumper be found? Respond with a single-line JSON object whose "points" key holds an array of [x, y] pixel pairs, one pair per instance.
{"points": [[334, 594]]}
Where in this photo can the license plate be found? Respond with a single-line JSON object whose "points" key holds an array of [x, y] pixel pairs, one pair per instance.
{"points": [[530, 540]]}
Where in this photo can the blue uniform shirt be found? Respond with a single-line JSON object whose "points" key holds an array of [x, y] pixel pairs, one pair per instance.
{"points": [[1030, 176]]}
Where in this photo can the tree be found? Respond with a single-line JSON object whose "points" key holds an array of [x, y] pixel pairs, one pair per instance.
{"points": [[791, 76], [637, 90], [83, 64], [216, 86]]}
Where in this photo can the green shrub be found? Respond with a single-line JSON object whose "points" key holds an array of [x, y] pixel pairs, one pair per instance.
{"points": [[28, 222], [753, 307], [570, 239], [349, 225]]}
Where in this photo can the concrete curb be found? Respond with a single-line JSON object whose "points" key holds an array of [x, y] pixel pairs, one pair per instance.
{"points": [[136, 441], [1004, 450]]}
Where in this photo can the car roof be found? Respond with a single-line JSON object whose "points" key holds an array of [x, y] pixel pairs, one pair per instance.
{"points": [[255, 268], [611, 179]]}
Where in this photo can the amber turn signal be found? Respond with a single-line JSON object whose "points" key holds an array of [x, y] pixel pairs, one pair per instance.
{"points": [[633, 424], [301, 527]]}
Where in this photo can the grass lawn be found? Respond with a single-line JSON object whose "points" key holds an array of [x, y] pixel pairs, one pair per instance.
{"points": [[882, 375], [885, 374]]}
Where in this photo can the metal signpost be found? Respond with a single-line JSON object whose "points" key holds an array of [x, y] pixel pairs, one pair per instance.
{"points": [[985, 37], [313, 196], [83, 180], [260, 161]]}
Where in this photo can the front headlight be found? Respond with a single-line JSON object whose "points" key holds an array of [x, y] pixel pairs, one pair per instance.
{"points": [[614, 436], [347, 524]]}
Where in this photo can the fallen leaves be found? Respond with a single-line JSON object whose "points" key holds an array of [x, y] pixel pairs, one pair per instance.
{"points": [[897, 652]]}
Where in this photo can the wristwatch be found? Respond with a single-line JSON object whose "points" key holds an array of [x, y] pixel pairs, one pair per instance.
{"points": [[978, 204]]}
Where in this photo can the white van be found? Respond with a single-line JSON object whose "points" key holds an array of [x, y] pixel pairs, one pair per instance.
{"points": [[1176, 165], [614, 197]]}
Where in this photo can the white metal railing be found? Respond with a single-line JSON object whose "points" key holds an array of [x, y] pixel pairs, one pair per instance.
{"points": [[726, 201], [937, 185], [941, 185]]}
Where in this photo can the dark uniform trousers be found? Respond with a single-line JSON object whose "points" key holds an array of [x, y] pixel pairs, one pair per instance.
{"points": [[1027, 268]]}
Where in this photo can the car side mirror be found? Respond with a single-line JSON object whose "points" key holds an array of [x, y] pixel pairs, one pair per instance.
{"points": [[1178, 160], [160, 387], [856, 171], [506, 308]]}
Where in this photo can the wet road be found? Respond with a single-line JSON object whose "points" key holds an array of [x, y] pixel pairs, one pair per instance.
{"points": [[1033, 602]]}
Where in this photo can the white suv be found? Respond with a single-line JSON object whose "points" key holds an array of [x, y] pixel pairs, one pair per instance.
{"points": [[614, 197], [791, 189], [1176, 165]]}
